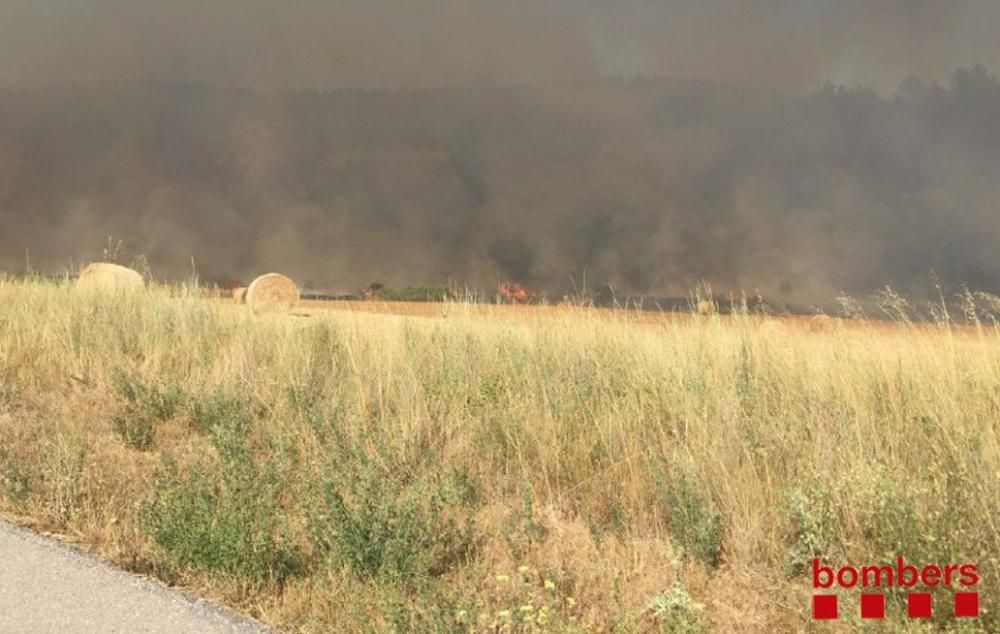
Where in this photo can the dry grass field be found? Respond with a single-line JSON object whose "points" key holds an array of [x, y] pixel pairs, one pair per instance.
{"points": [[485, 469]]}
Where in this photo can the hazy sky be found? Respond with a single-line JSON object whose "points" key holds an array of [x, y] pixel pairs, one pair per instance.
{"points": [[321, 44]]}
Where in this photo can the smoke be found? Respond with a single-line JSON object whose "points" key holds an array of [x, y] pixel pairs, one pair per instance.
{"points": [[798, 148]]}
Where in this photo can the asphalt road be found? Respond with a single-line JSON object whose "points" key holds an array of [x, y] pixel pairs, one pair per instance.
{"points": [[46, 586]]}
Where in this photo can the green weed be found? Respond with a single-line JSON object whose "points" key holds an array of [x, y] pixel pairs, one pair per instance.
{"points": [[381, 524], [145, 406], [694, 523], [222, 518]]}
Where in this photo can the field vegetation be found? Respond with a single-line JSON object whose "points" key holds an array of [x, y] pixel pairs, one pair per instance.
{"points": [[558, 470]]}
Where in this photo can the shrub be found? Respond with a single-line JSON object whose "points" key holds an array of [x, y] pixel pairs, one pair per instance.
{"points": [[62, 471], [15, 479], [378, 523], [523, 530], [137, 431], [145, 405], [222, 519], [694, 524], [677, 613], [887, 518], [812, 527], [416, 294], [220, 412]]}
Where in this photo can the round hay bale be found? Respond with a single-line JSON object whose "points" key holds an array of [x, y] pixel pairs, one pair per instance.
{"points": [[822, 323], [772, 328], [240, 294], [104, 276], [272, 292]]}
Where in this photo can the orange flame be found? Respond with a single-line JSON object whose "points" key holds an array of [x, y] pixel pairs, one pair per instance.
{"points": [[514, 293]]}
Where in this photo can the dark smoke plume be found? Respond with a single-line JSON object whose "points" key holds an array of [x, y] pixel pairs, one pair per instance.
{"points": [[798, 148]]}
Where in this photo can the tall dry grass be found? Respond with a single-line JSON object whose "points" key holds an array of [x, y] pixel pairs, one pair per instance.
{"points": [[558, 470]]}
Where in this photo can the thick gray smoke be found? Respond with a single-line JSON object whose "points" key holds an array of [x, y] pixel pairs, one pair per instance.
{"points": [[798, 148]]}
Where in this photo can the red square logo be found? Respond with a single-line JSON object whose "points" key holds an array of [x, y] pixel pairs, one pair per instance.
{"points": [[824, 606], [966, 604], [918, 605], [873, 606]]}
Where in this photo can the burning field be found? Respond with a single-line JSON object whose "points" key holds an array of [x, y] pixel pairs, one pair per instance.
{"points": [[475, 468]]}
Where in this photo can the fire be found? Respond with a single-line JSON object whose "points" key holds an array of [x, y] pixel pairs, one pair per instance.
{"points": [[372, 291], [514, 293]]}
